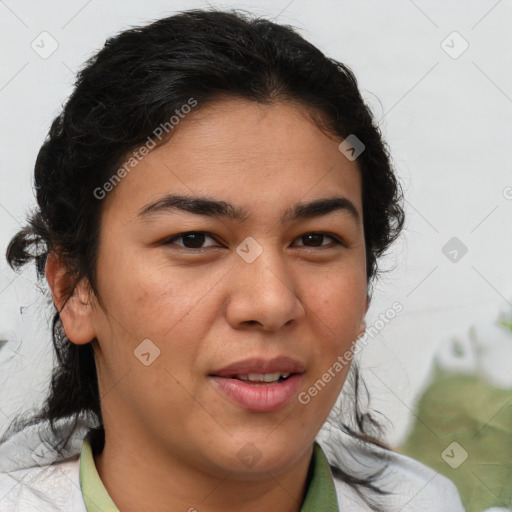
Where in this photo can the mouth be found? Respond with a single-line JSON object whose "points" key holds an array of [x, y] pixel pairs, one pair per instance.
{"points": [[263, 378], [259, 385]]}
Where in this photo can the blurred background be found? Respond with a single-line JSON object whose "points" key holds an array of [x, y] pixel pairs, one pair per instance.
{"points": [[438, 78]]}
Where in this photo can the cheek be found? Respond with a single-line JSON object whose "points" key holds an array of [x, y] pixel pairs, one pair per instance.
{"points": [[164, 298], [340, 300], [147, 298], [339, 306], [167, 307]]}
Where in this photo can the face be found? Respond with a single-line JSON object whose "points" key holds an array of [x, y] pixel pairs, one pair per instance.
{"points": [[198, 299]]}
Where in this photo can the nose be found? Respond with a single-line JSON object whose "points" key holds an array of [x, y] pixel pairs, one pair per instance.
{"points": [[264, 293]]}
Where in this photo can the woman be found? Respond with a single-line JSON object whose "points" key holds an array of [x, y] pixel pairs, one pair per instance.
{"points": [[213, 201]]}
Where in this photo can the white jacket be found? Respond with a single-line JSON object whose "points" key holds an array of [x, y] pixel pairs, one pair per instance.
{"points": [[34, 478]]}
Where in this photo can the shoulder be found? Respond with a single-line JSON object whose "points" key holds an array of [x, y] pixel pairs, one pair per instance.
{"points": [[34, 477], [409, 485], [53, 487]]}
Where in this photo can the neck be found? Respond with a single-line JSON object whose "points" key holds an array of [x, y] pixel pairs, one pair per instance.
{"points": [[140, 475]]}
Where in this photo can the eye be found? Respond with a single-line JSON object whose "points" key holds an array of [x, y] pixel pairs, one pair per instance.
{"points": [[191, 239], [316, 238], [194, 240]]}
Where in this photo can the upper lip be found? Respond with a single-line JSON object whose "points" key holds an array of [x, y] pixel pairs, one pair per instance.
{"points": [[281, 364]]}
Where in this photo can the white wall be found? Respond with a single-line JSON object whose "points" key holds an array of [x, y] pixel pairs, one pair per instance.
{"points": [[448, 122]]}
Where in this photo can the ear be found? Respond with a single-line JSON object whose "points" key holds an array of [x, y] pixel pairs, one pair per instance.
{"points": [[362, 325], [76, 314]]}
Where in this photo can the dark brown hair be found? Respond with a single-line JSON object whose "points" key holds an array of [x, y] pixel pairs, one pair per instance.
{"points": [[134, 84]]}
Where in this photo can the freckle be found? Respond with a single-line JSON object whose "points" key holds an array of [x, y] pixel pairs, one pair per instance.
{"points": [[142, 297]]}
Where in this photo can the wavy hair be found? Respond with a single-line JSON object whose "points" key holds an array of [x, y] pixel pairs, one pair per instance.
{"points": [[134, 84]]}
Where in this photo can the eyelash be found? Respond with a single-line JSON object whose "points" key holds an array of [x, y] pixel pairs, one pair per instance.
{"points": [[171, 240]]}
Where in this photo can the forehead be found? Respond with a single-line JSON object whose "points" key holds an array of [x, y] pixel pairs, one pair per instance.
{"points": [[254, 154]]}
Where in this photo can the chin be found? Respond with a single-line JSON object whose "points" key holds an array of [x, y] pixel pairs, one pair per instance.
{"points": [[254, 459]]}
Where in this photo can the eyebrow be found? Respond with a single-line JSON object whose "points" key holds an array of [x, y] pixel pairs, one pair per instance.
{"points": [[214, 208]]}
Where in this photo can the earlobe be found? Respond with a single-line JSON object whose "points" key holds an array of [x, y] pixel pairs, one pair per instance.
{"points": [[76, 312], [362, 328], [362, 325]]}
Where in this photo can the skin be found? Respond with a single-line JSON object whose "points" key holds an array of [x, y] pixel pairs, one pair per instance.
{"points": [[171, 437]]}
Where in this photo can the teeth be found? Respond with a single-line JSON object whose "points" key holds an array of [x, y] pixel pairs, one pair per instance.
{"points": [[263, 377]]}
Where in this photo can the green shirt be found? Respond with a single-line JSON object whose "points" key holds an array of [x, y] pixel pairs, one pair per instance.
{"points": [[320, 495]]}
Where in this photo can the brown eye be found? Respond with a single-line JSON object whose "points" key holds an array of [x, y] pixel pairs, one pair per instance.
{"points": [[191, 239], [194, 240], [315, 239]]}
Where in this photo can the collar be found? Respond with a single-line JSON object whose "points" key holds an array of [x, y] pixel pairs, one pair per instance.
{"points": [[321, 493], [96, 497]]}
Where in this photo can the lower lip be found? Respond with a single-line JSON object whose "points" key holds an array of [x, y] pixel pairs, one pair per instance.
{"points": [[259, 397]]}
